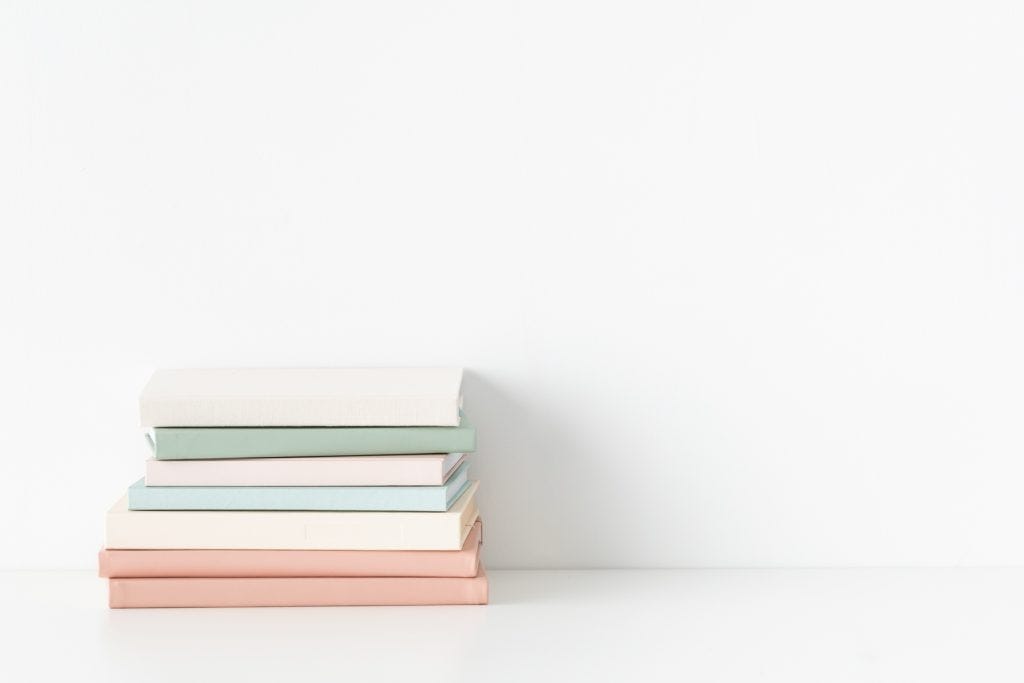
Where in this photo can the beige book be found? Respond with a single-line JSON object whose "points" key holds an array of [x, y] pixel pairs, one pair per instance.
{"points": [[292, 530]]}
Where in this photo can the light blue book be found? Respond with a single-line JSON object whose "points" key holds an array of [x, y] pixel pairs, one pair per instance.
{"points": [[335, 498]]}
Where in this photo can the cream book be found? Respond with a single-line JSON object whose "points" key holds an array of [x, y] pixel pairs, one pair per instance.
{"points": [[127, 564], [302, 397], [276, 530]]}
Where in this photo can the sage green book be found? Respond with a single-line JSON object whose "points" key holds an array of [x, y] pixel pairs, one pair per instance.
{"points": [[201, 443]]}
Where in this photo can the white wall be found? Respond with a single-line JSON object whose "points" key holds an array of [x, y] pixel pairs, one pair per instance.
{"points": [[737, 283]]}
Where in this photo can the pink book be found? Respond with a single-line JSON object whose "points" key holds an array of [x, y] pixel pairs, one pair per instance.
{"points": [[293, 563], [431, 469], [299, 591]]}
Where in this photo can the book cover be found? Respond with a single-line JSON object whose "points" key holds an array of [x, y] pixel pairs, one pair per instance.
{"points": [[227, 397], [291, 530], [400, 498], [282, 563], [178, 443], [298, 591], [351, 470]]}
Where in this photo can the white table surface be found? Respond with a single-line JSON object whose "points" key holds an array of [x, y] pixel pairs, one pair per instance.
{"points": [[817, 625]]}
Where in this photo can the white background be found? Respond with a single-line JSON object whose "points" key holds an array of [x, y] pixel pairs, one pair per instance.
{"points": [[737, 284]]}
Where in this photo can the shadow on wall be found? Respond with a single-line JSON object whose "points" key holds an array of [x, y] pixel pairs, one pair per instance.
{"points": [[543, 500]]}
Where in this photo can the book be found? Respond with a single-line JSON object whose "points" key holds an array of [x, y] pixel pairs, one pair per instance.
{"points": [[298, 591], [187, 443], [351, 470], [401, 498], [281, 563], [292, 397], [278, 530]]}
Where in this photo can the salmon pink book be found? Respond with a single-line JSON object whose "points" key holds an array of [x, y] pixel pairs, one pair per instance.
{"points": [[320, 591]]}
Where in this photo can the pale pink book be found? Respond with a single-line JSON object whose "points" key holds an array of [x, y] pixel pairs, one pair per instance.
{"points": [[299, 591], [349, 470], [293, 563]]}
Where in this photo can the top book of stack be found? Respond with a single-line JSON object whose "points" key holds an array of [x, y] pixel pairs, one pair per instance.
{"points": [[303, 397]]}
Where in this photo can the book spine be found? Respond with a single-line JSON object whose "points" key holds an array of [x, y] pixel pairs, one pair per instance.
{"points": [[338, 498], [323, 471], [172, 443], [294, 563], [299, 412], [293, 530], [240, 533], [297, 592], [121, 564]]}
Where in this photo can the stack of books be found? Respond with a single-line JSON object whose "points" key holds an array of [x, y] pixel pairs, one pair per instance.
{"points": [[299, 487]]}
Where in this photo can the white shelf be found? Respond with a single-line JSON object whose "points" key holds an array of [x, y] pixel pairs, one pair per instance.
{"points": [[688, 625]]}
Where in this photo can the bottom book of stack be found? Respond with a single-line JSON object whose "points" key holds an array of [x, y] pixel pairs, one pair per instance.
{"points": [[296, 578]]}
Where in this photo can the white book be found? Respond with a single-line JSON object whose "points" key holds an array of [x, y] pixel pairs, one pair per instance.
{"points": [[293, 530], [303, 397], [347, 470]]}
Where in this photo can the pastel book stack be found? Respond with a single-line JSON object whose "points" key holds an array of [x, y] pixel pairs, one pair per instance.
{"points": [[276, 487]]}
